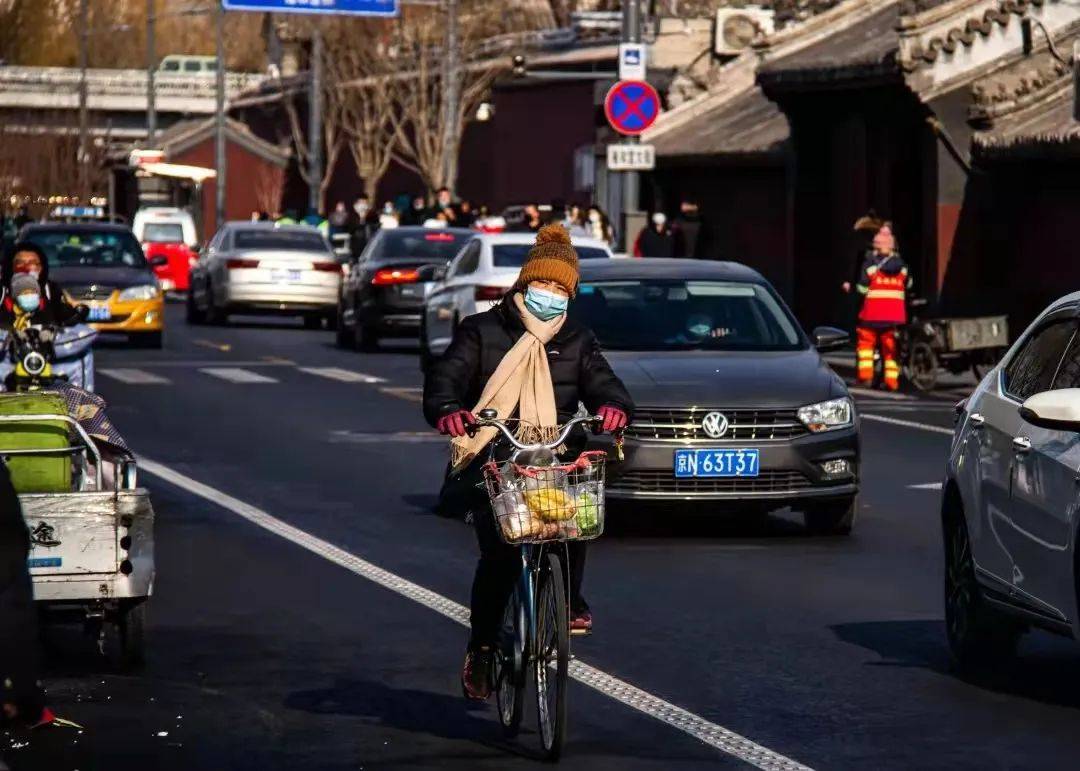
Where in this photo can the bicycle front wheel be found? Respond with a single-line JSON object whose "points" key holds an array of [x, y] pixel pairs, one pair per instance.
{"points": [[510, 667], [551, 660]]}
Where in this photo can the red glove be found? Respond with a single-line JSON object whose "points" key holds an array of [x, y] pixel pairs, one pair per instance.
{"points": [[454, 424], [614, 418]]}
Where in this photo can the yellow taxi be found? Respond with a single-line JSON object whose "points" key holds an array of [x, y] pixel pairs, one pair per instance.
{"points": [[102, 266]]}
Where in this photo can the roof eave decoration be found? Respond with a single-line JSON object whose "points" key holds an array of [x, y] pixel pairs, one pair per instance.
{"points": [[954, 43]]}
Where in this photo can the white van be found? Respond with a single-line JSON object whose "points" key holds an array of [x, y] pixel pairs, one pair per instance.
{"points": [[157, 218]]}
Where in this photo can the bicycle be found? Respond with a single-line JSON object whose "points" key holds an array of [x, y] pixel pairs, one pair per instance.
{"points": [[539, 502]]}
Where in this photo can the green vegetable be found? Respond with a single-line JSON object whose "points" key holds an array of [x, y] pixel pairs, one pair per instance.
{"points": [[587, 513]]}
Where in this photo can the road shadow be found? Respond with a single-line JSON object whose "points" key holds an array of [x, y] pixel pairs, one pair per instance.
{"points": [[656, 520], [1047, 669], [426, 503], [407, 709]]}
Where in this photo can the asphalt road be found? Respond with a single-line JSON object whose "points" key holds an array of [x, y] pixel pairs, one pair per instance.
{"points": [[275, 652]]}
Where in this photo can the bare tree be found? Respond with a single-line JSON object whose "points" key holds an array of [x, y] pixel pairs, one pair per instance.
{"points": [[269, 186], [333, 138], [362, 84], [423, 144]]}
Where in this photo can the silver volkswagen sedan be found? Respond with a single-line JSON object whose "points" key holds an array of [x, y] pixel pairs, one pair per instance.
{"points": [[264, 268], [1011, 503]]}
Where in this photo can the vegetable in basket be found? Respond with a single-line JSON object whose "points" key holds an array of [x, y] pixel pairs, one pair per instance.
{"points": [[587, 510], [550, 504]]}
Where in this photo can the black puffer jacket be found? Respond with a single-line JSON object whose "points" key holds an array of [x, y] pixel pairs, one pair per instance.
{"points": [[55, 308], [18, 616], [579, 371]]}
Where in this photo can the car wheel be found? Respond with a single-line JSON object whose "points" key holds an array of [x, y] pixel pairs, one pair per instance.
{"points": [[214, 315], [978, 635], [343, 335], [194, 315], [832, 518], [366, 338], [331, 320], [312, 321]]}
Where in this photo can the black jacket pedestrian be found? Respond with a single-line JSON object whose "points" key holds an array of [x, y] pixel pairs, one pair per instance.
{"points": [[655, 243], [18, 616], [57, 309], [579, 371], [687, 229]]}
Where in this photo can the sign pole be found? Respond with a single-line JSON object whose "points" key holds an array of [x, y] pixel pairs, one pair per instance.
{"points": [[315, 128], [219, 121], [631, 34]]}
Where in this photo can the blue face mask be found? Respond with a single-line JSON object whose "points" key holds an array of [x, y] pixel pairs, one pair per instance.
{"points": [[28, 302], [545, 305]]}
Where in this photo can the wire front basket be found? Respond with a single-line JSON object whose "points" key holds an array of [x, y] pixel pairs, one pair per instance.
{"points": [[536, 504]]}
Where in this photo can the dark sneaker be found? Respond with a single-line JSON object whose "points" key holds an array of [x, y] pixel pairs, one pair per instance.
{"points": [[476, 674], [581, 623]]}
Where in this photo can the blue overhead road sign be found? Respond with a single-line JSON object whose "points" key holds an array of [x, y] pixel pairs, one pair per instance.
{"points": [[354, 7]]}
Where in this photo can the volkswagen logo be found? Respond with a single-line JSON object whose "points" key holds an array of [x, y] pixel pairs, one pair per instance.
{"points": [[715, 424]]}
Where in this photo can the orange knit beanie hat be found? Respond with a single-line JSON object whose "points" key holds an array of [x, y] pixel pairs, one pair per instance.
{"points": [[551, 259]]}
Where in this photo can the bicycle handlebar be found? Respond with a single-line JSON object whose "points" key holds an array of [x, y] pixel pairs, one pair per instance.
{"points": [[501, 426]]}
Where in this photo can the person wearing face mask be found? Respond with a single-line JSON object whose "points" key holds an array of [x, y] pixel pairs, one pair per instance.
{"points": [[527, 360], [599, 226], [883, 284], [27, 258], [364, 225], [656, 238]]}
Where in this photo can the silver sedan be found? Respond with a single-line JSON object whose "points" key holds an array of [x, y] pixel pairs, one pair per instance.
{"points": [[260, 268], [1011, 506]]}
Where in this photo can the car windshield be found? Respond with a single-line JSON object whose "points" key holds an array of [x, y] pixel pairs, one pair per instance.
{"points": [[282, 240], [678, 314], [433, 245], [163, 233], [92, 248], [513, 255]]}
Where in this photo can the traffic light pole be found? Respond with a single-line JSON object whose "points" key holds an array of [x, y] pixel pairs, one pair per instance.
{"points": [[315, 118], [219, 121]]}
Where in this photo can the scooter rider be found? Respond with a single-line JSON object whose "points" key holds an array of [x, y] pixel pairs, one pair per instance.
{"points": [[27, 258], [527, 360]]}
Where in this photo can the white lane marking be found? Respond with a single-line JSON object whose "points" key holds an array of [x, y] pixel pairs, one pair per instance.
{"points": [[710, 733], [343, 375], [376, 437], [237, 375], [269, 361], [908, 424], [926, 486], [133, 376], [872, 394], [408, 394]]}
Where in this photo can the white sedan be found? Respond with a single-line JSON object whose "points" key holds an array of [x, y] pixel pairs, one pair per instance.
{"points": [[478, 277]]}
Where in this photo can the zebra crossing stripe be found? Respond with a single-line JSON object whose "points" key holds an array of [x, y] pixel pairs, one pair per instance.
{"points": [[342, 375], [133, 376], [237, 375]]}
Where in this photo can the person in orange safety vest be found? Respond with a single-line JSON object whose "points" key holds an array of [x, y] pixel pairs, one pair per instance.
{"points": [[883, 283]]}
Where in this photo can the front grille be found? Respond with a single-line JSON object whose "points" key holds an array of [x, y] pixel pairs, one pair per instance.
{"points": [[667, 482], [90, 292], [662, 424]]}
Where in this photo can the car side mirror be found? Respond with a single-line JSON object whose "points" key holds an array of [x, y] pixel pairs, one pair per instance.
{"points": [[159, 260], [1058, 410], [830, 338]]}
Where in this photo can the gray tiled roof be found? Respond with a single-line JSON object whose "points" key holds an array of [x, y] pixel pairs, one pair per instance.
{"points": [[748, 125]]}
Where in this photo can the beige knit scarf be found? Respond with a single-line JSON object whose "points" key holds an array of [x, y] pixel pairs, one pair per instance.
{"points": [[522, 381]]}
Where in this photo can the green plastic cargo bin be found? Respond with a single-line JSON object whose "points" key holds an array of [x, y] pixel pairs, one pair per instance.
{"points": [[39, 473]]}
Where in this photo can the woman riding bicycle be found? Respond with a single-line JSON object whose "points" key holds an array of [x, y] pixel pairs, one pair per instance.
{"points": [[527, 361]]}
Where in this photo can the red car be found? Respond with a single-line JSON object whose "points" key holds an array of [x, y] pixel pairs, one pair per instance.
{"points": [[170, 257]]}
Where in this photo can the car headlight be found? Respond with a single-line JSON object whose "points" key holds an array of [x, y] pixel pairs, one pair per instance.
{"points": [[141, 292], [826, 416]]}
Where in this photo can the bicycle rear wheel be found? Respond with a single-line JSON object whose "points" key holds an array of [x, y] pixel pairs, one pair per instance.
{"points": [[510, 667], [551, 661]]}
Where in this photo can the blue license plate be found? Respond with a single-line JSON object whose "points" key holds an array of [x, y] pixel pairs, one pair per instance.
{"points": [[99, 313], [45, 562], [285, 275], [717, 463]]}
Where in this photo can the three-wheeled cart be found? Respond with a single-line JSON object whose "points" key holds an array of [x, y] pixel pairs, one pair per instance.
{"points": [[930, 345], [91, 528]]}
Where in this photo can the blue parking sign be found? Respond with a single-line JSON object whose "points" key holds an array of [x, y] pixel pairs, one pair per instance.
{"points": [[329, 7]]}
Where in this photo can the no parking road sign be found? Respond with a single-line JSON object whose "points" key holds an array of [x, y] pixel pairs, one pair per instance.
{"points": [[631, 106]]}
